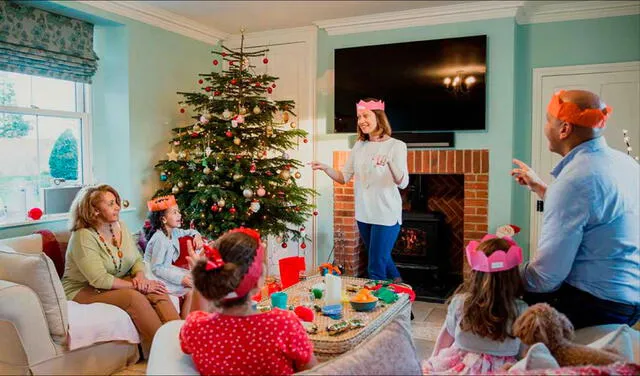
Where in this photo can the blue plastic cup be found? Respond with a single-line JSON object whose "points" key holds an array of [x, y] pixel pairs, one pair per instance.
{"points": [[279, 300]]}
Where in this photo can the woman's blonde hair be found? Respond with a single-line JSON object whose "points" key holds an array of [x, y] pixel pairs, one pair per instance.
{"points": [[383, 126], [83, 207]]}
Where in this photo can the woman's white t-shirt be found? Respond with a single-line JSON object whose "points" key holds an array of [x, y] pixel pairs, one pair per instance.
{"points": [[377, 197]]}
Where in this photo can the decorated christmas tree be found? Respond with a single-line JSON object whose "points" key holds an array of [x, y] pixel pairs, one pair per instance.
{"points": [[230, 167]]}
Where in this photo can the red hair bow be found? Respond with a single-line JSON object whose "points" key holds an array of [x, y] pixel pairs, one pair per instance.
{"points": [[214, 260], [247, 231]]}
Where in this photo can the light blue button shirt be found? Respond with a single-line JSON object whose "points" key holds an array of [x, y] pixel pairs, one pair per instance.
{"points": [[591, 226]]}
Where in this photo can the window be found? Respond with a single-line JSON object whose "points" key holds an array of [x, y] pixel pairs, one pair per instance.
{"points": [[44, 140]]}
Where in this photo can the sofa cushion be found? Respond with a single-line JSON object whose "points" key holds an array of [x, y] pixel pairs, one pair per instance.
{"points": [[538, 357], [625, 340], [37, 272], [51, 248], [99, 322]]}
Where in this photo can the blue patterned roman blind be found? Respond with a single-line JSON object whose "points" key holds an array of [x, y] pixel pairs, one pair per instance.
{"points": [[37, 42]]}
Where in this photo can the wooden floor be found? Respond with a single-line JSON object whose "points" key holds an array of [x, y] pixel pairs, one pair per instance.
{"points": [[428, 319]]}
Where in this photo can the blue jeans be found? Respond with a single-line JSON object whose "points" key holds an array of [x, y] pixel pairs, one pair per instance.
{"points": [[379, 241]]}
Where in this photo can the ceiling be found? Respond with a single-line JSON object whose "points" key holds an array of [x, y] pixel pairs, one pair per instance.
{"points": [[256, 16]]}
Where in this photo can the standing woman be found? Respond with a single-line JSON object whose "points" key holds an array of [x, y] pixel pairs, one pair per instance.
{"points": [[379, 164], [104, 265]]}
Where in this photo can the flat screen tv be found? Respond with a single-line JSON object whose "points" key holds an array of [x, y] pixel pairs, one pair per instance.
{"points": [[427, 86]]}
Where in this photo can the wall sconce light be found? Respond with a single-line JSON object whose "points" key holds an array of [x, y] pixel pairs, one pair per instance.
{"points": [[459, 84]]}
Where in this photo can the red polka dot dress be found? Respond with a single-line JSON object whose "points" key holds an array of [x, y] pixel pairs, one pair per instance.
{"points": [[272, 343]]}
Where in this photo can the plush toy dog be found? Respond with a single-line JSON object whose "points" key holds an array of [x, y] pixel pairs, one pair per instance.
{"points": [[542, 323]]}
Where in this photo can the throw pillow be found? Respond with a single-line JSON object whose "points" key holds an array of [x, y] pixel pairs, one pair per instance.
{"points": [[625, 340], [538, 357], [37, 272]]}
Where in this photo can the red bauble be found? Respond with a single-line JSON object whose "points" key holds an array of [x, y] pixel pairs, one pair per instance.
{"points": [[315, 212], [273, 86], [194, 134], [234, 81], [303, 245], [215, 62], [265, 60], [208, 88], [284, 245], [269, 173], [228, 133], [232, 210], [297, 208], [231, 62], [238, 156], [252, 168], [269, 90], [305, 140], [257, 84], [214, 208], [200, 81], [302, 228], [182, 110], [216, 93], [224, 54], [35, 213]]}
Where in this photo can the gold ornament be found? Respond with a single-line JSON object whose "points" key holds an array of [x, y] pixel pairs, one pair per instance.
{"points": [[293, 125], [206, 170], [125, 203], [297, 175], [237, 177], [284, 174], [175, 190], [257, 110], [226, 114], [221, 203], [172, 155], [237, 141], [285, 117], [243, 111], [180, 184], [247, 193]]}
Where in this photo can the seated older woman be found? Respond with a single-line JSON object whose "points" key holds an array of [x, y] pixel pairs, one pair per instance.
{"points": [[103, 264]]}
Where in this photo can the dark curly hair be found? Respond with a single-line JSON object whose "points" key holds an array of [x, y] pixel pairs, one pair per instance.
{"points": [[489, 305], [154, 224], [238, 250]]}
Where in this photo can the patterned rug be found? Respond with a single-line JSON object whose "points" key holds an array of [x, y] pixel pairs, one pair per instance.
{"points": [[426, 330]]}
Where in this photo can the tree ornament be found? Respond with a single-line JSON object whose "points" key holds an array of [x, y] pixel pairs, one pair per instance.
{"points": [[234, 123], [269, 90], [305, 140], [206, 170], [226, 114], [297, 175], [238, 156], [261, 192], [303, 245], [214, 208], [234, 81], [293, 125], [215, 62], [242, 111], [237, 177], [315, 212], [180, 184], [163, 176], [284, 245], [35, 213], [265, 60], [172, 155], [200, 185], [176, 142], [257, 110], [285, 117], [224, 54], [200, 81], [252, 168], [207, 89], [232, 210], [240, 118], [221, 203], [216, 93], [273, 85], [247, 193], [182, 110], [182, 155], [254, 206], [231, 63], [284, 174], [202, 216], [228, 133], [208, 151], [175, 189], [204, 120], [237, 140]]}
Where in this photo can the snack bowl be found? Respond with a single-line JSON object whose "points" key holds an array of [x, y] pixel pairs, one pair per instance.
{"points": [[363, 306]]}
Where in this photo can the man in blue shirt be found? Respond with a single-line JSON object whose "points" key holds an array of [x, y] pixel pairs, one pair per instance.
{"points": [[588, 262]]}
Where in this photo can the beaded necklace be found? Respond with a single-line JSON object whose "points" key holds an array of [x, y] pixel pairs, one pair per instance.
{"points": [[114, 241]]}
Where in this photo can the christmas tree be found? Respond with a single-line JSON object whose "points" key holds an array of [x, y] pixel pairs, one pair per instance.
{"points": [[230, 167]]}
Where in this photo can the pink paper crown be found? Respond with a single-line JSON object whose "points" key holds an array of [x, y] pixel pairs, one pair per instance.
{"points": [[498, 261], [373, 105]]}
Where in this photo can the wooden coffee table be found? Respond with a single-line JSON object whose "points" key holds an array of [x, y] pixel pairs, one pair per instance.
{"points": [[327, 346]]}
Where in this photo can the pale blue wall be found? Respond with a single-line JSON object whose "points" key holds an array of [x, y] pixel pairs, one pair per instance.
{"points": [[500, 109], [594, 41], [135, 104]]}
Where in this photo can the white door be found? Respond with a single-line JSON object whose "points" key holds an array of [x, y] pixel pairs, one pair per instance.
{"points": [[289, 57], [617, 84]]}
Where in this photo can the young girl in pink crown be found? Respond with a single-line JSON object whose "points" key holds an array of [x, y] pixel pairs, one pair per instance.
{"points": [[476, 336], [238, 340]]}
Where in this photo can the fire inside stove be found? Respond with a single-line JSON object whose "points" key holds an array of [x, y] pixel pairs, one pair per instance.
{"points": [[411, 242]]}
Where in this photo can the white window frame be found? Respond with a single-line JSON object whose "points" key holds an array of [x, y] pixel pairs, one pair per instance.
{"points": [[83, 102]]}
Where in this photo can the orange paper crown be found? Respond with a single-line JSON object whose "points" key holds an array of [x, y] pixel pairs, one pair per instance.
{"points": [[161, 203], [573, 114]]}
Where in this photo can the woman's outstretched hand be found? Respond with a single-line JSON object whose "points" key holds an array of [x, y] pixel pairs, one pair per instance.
{"points": [[318, 166]]}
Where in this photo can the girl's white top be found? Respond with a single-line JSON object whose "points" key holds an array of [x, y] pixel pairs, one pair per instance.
{"points": [[377, 197]]}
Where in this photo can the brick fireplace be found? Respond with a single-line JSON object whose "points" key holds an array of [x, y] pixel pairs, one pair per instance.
{"points": [[471, 167]]}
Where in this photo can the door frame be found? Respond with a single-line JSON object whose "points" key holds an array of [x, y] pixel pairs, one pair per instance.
{"points": [[537, 116], [307, 35]]}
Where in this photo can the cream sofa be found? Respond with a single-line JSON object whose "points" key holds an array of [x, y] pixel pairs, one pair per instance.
{"points": [[388, 351], [34, 321]]}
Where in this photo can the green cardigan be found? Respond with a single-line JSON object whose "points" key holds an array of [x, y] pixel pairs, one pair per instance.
{"points": [[89, 264]]}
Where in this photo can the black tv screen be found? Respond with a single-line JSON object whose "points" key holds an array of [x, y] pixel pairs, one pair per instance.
{"points": [[411, 78]]}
